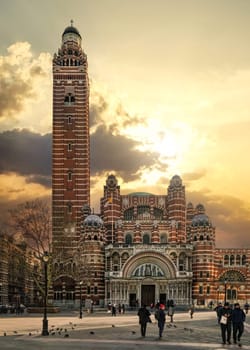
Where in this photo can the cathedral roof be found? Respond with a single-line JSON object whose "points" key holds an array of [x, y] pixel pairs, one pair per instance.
{"points": [[93, 220], [140, 194]]}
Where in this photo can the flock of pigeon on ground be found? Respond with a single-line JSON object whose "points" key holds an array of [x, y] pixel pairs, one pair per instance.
{"points": [[65, 331]]}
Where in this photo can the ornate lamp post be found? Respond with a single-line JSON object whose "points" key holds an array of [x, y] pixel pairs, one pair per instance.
{"points": [[80, 283], [225, 290], [45, 321]]}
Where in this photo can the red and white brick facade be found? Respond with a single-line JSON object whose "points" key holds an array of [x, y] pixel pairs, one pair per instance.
{"points": [[71, 168], [142, 247]]}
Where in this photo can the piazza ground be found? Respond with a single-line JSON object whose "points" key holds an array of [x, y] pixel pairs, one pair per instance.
{"points": [[102, 331]]}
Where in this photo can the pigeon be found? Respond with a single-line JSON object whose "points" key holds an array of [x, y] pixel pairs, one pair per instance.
{"points": [[74, 325], [30, 334], [15, 332], [70, 323], [5, 334], [133, 332], [113, 325], [91, 332], [53, 333], [65, 330], [66, 335]]}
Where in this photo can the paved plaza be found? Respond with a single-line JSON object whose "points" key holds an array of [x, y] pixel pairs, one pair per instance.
{"points": [[102, 331]]}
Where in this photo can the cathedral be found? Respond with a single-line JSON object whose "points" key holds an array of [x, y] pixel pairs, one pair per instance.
{"points": [[142, 247]]}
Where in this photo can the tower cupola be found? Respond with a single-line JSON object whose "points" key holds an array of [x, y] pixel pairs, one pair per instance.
{"points": [[71, 33]]}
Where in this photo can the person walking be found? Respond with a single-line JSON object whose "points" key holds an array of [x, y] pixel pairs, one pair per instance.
{"points": [[218, 309], [246, 307], [113, 310], [191, 311], [144, 318], [170, 305], [238, 319], [225, 319], [161, 318]]}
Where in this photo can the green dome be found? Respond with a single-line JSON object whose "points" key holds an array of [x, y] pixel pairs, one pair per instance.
{"points": [[140, 194]]}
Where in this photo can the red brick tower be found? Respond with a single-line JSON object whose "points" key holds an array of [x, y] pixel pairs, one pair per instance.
{"points": [[201, 233], [177, 210], [70, 164], [111, 207]]}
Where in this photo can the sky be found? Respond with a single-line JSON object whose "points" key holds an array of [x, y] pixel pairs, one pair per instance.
{"points": [[169, 94]]}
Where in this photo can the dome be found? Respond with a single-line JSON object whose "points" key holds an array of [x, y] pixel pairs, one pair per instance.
{"points": [[71, 29], [200, 220], [200, 209], [190, 205], [140, 194], [93, 220], [176, 181]]}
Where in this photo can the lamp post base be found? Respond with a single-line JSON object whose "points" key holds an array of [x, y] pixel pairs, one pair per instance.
{"points": [[45, 327]]}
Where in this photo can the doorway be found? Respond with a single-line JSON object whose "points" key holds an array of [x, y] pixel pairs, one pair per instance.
{"points": [[147, 294]]}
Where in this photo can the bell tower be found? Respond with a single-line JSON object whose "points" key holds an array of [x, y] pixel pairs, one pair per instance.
{"points": [[71, 147]]}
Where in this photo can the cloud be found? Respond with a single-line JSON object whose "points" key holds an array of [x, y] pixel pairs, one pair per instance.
{"points": [[117, 153], [18, 70], [15, 189], [26, 153], [25, 89]]}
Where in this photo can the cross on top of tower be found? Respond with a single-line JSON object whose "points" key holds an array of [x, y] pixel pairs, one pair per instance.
{"points": [[71, 22]]}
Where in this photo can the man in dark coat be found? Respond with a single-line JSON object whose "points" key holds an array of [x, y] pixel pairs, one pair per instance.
{"points": [[161, 318], [144, 317], [238, 319], [225, 319]]}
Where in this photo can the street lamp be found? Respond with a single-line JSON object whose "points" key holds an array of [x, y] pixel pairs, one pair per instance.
{"points": [[225, 290], [45, 321], [81, 283]]}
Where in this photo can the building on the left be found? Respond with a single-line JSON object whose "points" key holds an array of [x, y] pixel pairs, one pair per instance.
{"points": [[18, 267]]}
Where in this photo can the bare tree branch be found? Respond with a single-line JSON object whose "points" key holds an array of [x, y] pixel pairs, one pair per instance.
{"points": [[32, 222]]}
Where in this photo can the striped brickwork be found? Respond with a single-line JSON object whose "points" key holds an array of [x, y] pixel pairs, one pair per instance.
{"points": [[71, 168]]}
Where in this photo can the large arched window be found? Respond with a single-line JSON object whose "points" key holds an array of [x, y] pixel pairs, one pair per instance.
{"points": [[143, 212], [158, 213], [226, 260], [164, 238], [69, 99], [128, 238], [116, 261], [182, 261], [231, 259], [124, 257], [146, 239], [237, 259], [244, 259], [128, 214]]}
